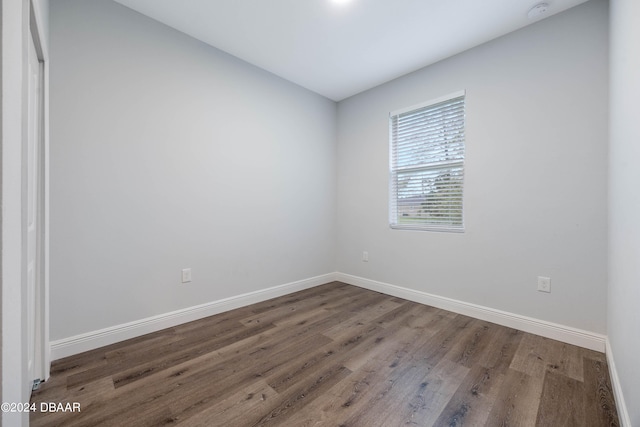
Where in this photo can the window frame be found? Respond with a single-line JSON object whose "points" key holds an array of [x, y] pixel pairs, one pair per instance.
{"points": [[424, 225]]}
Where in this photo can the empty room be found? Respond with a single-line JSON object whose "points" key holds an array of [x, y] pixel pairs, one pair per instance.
{"points": [[320, 213]]}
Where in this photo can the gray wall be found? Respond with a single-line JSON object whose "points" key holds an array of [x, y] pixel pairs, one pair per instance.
{"points": [[624, 203], [166, 154], [535, 182]]}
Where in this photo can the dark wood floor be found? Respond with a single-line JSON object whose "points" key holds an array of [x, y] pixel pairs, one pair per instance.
{"points": [[334, 355]]}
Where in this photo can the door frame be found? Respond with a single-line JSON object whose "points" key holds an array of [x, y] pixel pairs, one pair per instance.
{"points": [[42, 359]]}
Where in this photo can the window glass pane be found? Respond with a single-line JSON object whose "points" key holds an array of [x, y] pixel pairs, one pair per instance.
{"points": [[427, 166]]}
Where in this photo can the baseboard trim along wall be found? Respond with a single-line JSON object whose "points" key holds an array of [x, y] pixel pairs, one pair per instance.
{"points": [[92, 340], [621, 406], [543, 328]]}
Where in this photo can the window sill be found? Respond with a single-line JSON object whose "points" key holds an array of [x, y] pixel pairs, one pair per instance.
{"points": [[431, 228]]}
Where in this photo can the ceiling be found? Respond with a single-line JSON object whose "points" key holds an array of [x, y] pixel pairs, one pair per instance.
{"points": [[341, 48]]}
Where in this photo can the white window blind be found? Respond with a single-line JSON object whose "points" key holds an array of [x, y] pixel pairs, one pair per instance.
{"points": [[427, 165]]}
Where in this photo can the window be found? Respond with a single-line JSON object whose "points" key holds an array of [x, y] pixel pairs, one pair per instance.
{"points": [[427, 165]]}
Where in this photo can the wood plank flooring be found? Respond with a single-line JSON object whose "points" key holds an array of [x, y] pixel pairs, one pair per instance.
{"points": [[334, 355]]}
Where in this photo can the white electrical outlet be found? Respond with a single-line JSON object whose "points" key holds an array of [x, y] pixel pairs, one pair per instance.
{"points": [[544, 284], [365, 256], [186, 275]]}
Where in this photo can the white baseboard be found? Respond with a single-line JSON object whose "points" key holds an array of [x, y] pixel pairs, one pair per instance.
{"points": [[551, 330], [621, 406], [92, 340], [95, 339]]}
